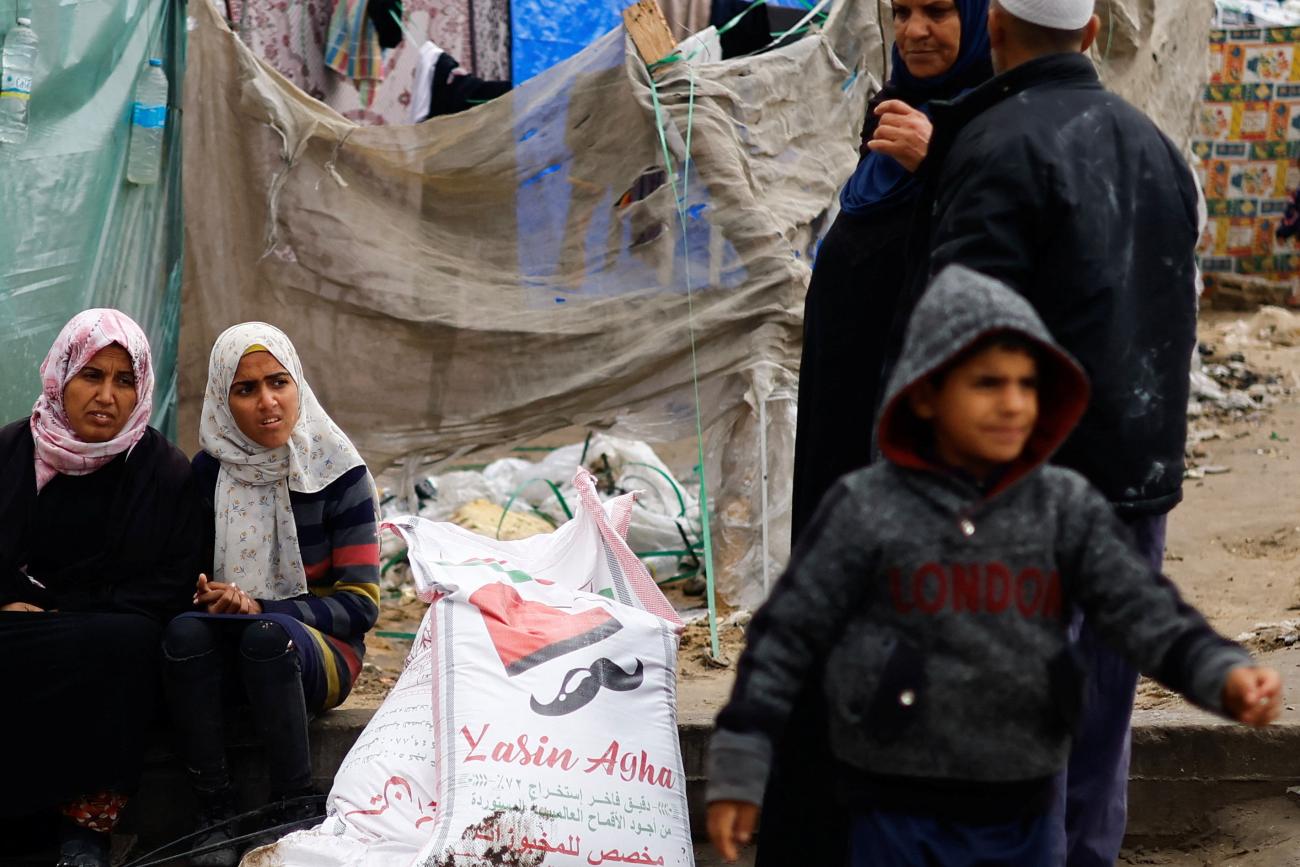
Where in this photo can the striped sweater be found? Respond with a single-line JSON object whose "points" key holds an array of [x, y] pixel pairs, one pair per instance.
{"points": [[339, 542]]}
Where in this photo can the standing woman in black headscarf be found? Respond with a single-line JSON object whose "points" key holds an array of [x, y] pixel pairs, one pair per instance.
{"points": [[941, 50]]}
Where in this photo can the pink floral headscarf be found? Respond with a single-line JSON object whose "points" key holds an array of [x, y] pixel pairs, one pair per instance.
{"points": [[58, 448]]}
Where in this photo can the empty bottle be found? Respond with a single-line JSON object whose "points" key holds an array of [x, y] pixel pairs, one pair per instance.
{"points": [[17, 66], [148, 120]]}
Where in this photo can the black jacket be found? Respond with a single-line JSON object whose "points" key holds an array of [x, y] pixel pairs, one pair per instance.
{"points": [[123, 539], [1071, 196]]}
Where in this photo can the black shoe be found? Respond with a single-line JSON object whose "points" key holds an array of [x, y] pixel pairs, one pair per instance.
{"points": [[294, 811], [82, 847], [299, 809], [216, 809]]}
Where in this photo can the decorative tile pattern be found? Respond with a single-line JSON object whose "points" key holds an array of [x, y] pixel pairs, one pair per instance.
{"points": [[1247, 140]]}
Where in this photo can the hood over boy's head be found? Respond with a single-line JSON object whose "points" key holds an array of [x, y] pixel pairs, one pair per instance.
{"points": [[980, 385]]}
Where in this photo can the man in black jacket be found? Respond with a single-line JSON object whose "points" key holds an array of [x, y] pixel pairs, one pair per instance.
{"points": [[1071, 196]]}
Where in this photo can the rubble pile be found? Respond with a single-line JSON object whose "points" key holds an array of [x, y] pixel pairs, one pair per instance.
{"points": [[1270, 636], [1231, 382], [1230, 387]]}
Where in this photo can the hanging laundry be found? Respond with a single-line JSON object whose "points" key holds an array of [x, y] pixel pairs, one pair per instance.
{"points": [[749, 30], [422, 91], [353, 49], [386, 16], [443, 86]]}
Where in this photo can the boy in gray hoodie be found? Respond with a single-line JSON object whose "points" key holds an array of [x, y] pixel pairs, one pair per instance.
{"points": [[932, 591]]}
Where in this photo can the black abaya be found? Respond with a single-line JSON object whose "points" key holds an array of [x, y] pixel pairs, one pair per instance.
{"points": [[111, 556], [848, 319]]}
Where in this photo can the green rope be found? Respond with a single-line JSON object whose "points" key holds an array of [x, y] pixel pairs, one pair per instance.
{"points": [[741, 14], [405, 636], [568, 513], [392, 561], [664, 61], [816, 14], [402, 24], [681, 577], [681, 500], [660, 122]]}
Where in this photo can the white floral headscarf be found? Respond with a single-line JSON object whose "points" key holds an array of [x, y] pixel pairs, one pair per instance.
{"points": [[58, 448], [256, 537]]}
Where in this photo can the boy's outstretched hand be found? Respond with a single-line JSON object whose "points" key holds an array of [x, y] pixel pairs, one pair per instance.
{"points": [[731, 825], [1252, 696]]}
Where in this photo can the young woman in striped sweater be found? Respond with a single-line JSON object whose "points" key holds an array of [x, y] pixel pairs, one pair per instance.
{"points": [[293, 580]]}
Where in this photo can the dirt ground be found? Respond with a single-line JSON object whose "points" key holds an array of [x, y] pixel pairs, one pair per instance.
{"points": [[1232, 549], [1233, 542], [1262, 833]]}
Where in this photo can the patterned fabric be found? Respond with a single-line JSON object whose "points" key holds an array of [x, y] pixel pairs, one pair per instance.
{"points": [[1247, 139], [338, 538], [98, 812], [352, 48], [58, 448], [290, 35], [257, 541], [1290, 224]]}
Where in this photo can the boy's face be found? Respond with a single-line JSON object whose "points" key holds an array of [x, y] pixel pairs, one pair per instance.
{"points": [[983, 410]]}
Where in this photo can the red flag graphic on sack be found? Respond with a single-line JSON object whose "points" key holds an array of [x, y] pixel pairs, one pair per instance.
{"points": [[527, 633]]}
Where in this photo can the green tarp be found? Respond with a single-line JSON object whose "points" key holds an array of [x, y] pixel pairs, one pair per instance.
{"points": [[73, 233]]}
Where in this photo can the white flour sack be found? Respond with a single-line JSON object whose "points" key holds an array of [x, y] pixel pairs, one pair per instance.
{"points": [[555, 699], [381, 807], [535, 720]]}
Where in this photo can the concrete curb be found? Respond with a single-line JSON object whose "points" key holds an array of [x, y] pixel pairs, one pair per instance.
{"points": [[1186, 764]]}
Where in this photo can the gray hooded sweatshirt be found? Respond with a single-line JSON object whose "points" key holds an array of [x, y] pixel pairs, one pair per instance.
{"points": [[935, 611]]}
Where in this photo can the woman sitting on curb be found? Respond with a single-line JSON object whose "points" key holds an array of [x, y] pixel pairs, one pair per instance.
{"points": [[294, 563], [99, 540]]}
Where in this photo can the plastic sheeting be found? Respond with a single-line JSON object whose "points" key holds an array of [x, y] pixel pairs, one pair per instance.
{"points": [[74, 234], [545, 32], [1153, 53], [476, 280]]}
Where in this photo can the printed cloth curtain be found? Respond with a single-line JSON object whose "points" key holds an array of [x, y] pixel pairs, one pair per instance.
{"points": [[290, 35]]}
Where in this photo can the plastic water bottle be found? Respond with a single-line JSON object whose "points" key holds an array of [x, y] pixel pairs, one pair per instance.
{"points": [[148, 120], [17, 66]]}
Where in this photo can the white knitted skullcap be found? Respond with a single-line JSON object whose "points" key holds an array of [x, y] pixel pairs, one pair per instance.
{"points": [[1057, 14]]}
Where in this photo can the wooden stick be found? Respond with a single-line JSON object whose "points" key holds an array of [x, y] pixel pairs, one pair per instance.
{"points": [[649, 30]]}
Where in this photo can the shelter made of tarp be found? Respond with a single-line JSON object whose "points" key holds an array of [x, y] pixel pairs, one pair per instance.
{"points": [[73, 233], [484, 277]]}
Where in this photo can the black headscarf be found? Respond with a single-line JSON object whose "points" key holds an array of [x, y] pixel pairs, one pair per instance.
{"points": [[878, 177]]}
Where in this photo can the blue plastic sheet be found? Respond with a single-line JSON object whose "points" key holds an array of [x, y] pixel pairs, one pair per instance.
{"points": [[74, 234], [544, 32]]}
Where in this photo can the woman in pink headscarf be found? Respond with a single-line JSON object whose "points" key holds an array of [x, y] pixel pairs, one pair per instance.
{"points": [[99, 542]]}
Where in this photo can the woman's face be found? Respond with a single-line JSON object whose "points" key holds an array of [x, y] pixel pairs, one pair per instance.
{"points": [[928, 35], [101, 396], [264, 399]]}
